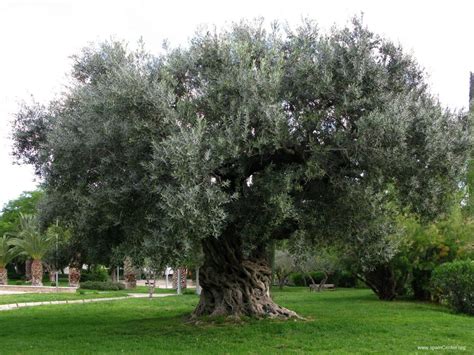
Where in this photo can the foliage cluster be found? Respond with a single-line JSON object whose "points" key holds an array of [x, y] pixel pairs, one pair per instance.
{"points": [[246, 137], [26, 204], [263, 132], [453, 283], [417, 248], [95, 273]]}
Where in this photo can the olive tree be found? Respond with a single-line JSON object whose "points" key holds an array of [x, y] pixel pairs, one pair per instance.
{"points": [[244, 137], [284, 265]]}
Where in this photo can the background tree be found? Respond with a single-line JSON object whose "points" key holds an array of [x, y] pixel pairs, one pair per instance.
{"points": [[57, 256], [327, 261], [29, 241], [129, 273], [284, 266], [470, 176], [372, 254], [400, 260], [26, 203], [7, 254], [245, 137], [151, 274]]}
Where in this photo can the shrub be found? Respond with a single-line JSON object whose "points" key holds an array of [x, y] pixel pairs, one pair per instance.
{"points": [[343, 279], [453, 283], [304, 280], [18, 283], [53, 284], [102, 286], [12, 275], [339, 279], [97, 273]]}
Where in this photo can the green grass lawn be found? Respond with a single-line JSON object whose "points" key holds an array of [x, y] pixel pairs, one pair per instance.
{"points": [[341, 321], [84, 294], [46, 282], [41, 297]]}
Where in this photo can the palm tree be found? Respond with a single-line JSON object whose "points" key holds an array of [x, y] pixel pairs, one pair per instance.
{"points": [[129, 273], [7, 254], [29, 241]]}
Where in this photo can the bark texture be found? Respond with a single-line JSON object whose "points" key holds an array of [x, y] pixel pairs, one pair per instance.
{"points": [[236, 285], [74, 276], [113, 275], [52, 275], [36, 273], [3, 276], [183, 271], [129, 273], [28, 269], [382, 281]]}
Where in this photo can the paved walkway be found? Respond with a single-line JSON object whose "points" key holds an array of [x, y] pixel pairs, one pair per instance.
{"points": [[7, 307], [2, 292]]}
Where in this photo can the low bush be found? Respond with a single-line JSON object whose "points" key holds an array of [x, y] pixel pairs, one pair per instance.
{"points": [[101, 286], [299, 279], [340, 279], [453, 283], [97, 273], [343, 279], [12, 275]]}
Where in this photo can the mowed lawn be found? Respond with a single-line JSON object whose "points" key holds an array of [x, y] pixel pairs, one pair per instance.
{"points": [[337, 321], [84, 294]]}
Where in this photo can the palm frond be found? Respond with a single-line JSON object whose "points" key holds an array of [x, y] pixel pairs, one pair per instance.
{"points": [[29, 241], [7, 251]]}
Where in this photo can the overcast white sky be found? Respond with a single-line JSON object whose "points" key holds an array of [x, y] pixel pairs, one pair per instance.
{"points": [[37, 37]]}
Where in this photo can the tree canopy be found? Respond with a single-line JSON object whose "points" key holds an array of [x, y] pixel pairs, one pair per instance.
{"points": [[243, 137], [26, 203]]}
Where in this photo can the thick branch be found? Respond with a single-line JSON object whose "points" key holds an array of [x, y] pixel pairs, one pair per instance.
{"points": [[237, 171]]}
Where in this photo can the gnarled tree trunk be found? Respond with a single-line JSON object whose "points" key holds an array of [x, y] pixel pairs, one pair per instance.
{"points": [[3, 276], [236, 285], [36, 273]]}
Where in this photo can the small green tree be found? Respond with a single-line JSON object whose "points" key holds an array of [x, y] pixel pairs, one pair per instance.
{"points": [[57, 256], [284, 265], [328, 261]]}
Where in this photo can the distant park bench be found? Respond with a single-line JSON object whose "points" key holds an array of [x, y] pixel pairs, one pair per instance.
{"points": [[315, 287], [150, 283]]}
